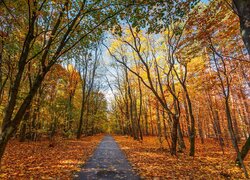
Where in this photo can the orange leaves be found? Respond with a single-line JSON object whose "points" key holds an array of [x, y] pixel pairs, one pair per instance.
{"points": [[36, 160], [153, 162]]}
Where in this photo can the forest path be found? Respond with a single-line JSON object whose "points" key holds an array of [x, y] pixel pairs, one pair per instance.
{"points": [[108, 162]]}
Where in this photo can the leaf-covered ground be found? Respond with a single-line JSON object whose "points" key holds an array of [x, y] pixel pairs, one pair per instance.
{"points": [[36, 160], [151, 162]]}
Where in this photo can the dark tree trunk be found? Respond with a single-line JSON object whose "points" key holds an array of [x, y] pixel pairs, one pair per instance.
{"points": [[158, 124], [35, 116], [216, 122], [79, 130], [192, 128], [165, 129], [181, 142], [186, 113], [233, 137], [146, 121], [70, 112], [140, 111], [174, 135], [23, 128], [244, 150], [9, 128], [242, 8], [1, 63], [200, 127]]}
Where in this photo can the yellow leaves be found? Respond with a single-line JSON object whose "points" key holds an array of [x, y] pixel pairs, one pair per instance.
{"points": [[3, 175], [115, 46], [196, 64], [168, 33], [70, 68]]}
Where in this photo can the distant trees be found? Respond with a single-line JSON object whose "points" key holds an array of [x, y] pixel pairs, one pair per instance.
{"points": [[88, 61]]}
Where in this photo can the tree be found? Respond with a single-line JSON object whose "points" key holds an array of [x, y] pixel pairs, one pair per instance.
{"points": [[49, 36], [242, 8]]}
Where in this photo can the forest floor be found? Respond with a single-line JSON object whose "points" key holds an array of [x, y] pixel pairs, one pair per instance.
{"points": [[36, 160], [153, 162]]}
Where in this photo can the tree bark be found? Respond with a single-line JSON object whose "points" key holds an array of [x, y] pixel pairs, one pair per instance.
{"points": [[180, 139], [233, 137], [175, 121], [192, 128], [11, 126], [23, 128], [242, 8], [244, 150], [79, 130]]}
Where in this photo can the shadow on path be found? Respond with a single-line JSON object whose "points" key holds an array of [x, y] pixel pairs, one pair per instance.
{"points": [[108, 162]]}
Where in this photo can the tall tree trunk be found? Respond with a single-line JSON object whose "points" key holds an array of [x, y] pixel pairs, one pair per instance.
{"points": [[242, 8], [192, 120], [244, 150], [186, 113], [233, 137], [1, 63], [151, 120], [177, 112], [175, 121], [86, 122], [146, 120], [245, 110], [10, 126], [70, 112], [140, 110], [216, 121], [35, 117], [158, 123], [181, 142], [200, 126], [79, 130], [165, 128], [23, 128]]}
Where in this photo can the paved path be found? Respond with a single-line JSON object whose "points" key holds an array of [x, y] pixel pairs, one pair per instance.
{"points": [[107, 163]]}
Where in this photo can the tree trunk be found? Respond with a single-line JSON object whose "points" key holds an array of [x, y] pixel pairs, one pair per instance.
{"points": [[146, 121], [79, 130], [158, 124], [200, 127], [175, 121], [140, 110], [216, 122], [181, 142], [242, 8], [186, 112], [36, 116], [244, 150], [9, 127], [165, 129], [192, 120], [233, 137], [23, 128], [1, 63]]}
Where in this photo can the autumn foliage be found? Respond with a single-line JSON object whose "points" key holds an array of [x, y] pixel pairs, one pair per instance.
{"points": [[153, 161], [43, 160], [173, 75]]}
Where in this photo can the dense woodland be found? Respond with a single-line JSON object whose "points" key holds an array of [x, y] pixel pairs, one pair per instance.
{"points": [[170, 69]]}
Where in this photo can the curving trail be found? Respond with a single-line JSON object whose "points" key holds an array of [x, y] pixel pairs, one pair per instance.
{"points": [[108, 162]]}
